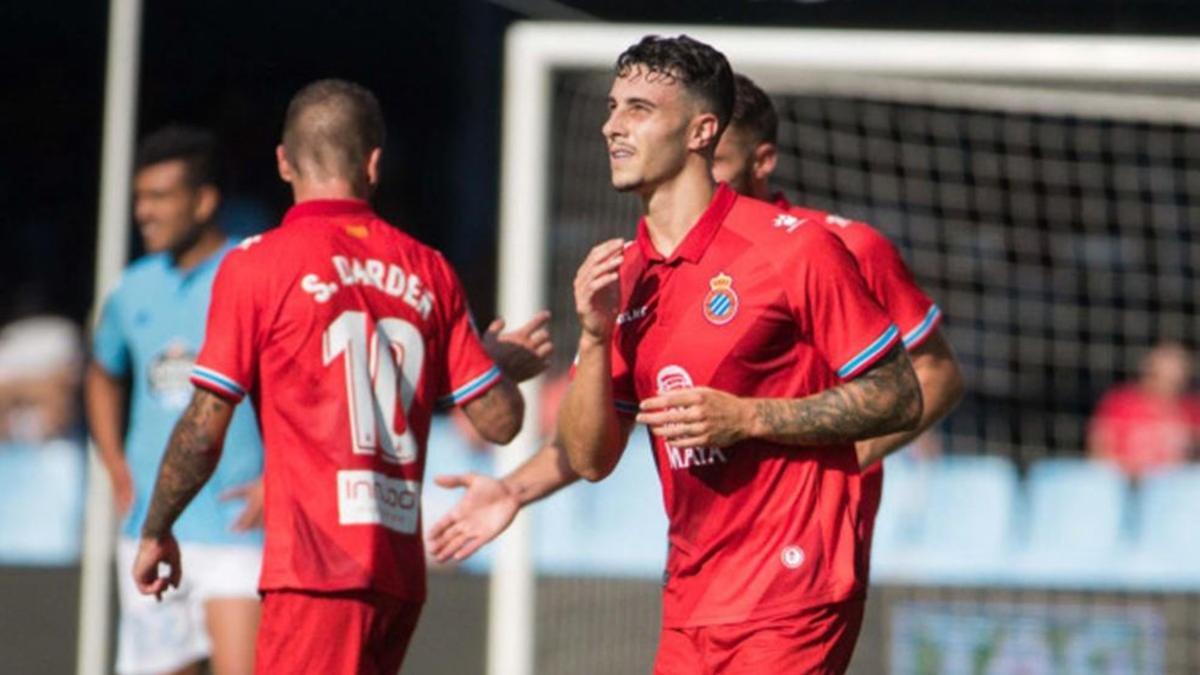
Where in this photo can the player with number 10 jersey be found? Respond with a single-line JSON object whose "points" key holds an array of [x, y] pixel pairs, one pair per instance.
{"points": [[335, 322]]}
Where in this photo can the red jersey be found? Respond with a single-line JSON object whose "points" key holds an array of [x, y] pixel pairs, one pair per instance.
{"points": [[345, 332], [744, 306], [893, 285], [1144, 433]]}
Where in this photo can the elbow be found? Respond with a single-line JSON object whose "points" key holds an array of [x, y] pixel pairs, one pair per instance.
{"points": [[911, 403], [505, 415], [587, 466]]}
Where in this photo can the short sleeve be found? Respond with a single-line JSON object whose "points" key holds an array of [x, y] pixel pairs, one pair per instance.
{"points": [[892, 283], [470, 372], [109, 347], [836, 309], [228, 361]]}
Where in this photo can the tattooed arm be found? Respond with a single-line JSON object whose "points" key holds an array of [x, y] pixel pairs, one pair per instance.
{"points": [[883, 400], [191, 457], [941, 389]]}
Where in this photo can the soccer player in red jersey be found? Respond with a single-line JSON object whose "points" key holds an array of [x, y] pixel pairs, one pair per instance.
{"points": [[745, 158], [345, 332], [757, 356]]}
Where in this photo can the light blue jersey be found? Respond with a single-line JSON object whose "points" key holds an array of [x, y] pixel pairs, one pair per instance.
{"points": [[150, 331]]}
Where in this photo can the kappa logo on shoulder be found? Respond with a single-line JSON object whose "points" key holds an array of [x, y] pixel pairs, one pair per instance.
{"points": [[786, 221], [721, 303]]}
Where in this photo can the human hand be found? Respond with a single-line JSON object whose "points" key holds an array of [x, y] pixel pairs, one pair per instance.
{"points": [[698, 417], [598, 289], [151, 553], [485, 510], [522, 353]]}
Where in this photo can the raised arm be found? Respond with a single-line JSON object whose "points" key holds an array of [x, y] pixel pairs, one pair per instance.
{"points": [[941, 389], [884, 399], [191, 457], [588, 426]]}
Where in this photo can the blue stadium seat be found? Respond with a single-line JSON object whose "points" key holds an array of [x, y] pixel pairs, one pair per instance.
{"points": [[41, 503], [961, 528], [1075, 521], [1167, 552]]}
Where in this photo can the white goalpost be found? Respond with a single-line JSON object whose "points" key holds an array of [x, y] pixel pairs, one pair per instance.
{"points": [[1138, 80]]}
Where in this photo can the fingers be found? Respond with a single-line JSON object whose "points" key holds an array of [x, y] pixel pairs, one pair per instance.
{"points": [[495, 326], [438, 532], [454, 481], [603, 250], [536, 324], [450, 541], [673, 399]]}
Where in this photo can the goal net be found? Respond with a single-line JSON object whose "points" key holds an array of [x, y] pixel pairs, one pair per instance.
{"points": [[1044, 191]]}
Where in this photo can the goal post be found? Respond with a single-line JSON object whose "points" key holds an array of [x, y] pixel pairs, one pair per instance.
{"points": [[1116, 98]]}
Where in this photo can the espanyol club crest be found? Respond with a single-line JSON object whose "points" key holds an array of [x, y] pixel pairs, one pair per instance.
{"points": [[721, 303]]}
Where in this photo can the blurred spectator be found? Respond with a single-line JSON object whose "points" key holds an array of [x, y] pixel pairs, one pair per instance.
{"points": [[41, 452], [40, 361], [1148, 425]]}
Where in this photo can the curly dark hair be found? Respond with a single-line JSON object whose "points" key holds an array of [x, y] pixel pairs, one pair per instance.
{"points": [[197, 148], [753, 111], [702, 70]]}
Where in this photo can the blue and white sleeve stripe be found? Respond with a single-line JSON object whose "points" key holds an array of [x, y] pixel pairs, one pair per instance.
{"points": [[922, 330], [217, 382], [471, 389], [867, 356]]}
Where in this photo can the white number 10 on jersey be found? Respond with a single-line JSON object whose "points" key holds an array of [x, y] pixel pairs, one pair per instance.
{"points": [[378, 365]]}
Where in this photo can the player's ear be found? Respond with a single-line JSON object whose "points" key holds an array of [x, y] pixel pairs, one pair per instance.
{"points": [[703, 134], [765, 157], [285, 168], [208, 197], [373, 166]]}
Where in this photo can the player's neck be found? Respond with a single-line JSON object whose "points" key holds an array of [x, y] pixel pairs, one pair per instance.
{"points": [[209, 242], [673, 207], [306, 191]]}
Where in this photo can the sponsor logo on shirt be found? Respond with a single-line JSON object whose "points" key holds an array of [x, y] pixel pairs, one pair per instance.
{"points": [[371, 498], [786, 221], [792, 557], [632, 314], [674, 378], [169, 374], [721, 303]]}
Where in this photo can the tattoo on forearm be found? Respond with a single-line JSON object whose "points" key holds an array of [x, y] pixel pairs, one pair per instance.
{"points": [[886, 398], [191, 457]]}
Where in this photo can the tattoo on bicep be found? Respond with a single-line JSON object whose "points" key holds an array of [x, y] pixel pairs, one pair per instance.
{"points": [[882, 400], [191, 457]]}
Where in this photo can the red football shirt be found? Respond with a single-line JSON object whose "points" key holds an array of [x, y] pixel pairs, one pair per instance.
{"points": [[345, 332], [757, 529], [1144, 433], [893, 285]]}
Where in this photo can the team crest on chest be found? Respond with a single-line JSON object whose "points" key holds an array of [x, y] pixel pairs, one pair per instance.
{"points": [[721, 303]]}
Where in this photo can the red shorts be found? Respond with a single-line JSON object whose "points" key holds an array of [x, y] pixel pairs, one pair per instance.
{"points": [[340, 633], [817, 641]]}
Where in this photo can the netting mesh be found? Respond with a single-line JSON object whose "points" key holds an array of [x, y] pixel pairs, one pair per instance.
{"points": [[1059, 243]]}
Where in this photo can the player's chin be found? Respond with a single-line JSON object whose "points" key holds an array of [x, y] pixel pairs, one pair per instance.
{"points": [[625, 183]]}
